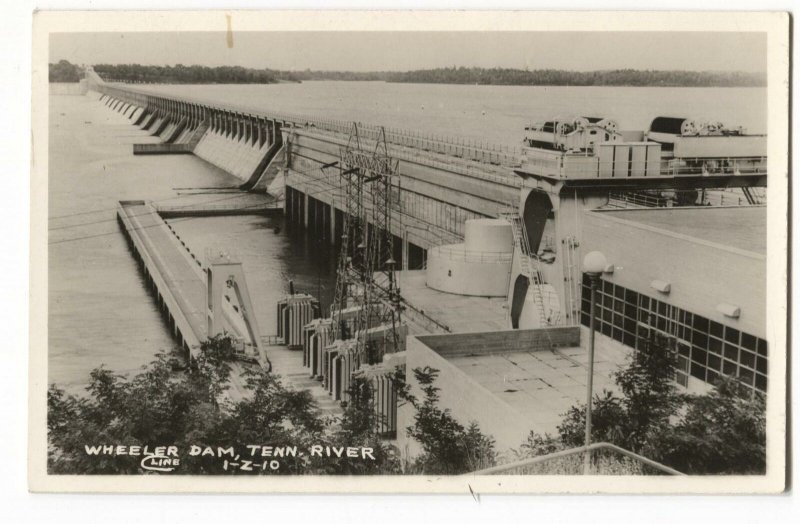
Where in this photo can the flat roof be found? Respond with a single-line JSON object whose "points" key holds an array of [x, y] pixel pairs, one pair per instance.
{"points": [[461, 313], [741, 227], [543, 385]]}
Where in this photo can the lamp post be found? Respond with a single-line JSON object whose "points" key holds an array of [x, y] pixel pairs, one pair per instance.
{"points": [[594, 264]]}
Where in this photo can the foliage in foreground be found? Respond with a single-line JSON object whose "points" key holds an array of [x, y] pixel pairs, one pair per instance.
{"points": [[448, 448], [721, 432], [164, 407]]}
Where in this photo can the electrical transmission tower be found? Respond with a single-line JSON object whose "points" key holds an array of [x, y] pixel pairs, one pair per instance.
{"points": [[366, 272]]}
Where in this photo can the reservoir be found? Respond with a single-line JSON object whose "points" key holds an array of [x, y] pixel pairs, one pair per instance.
{"points": [[100, 312]]}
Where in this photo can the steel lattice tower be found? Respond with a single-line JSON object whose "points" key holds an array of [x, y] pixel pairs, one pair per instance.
{"points": [[366, 262]]}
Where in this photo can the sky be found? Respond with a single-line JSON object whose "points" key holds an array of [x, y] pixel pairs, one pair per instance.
{"points": [[400, 51]]}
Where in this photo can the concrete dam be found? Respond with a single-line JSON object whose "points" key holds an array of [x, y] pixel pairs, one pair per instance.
{"points": [[486, 249], [441, 182]]}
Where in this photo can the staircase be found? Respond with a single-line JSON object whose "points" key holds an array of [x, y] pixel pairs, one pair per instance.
{"points": [[530, 268], [752, 195]]}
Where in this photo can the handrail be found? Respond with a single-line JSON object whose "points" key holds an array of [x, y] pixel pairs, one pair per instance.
{"points": [[504, 468], [454, 253], [584, 165], [446, 144]]}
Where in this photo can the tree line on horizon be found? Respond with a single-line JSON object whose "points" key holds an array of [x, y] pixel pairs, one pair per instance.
{"points": [[196, 74], [63, 71]]}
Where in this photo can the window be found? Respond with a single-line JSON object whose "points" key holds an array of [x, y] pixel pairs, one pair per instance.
{"points": [[732, 335], [747, 358], [700, 323], [706, 349], [714, 362], [699, 356]]}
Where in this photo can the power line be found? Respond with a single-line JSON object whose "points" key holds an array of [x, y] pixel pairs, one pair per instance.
{"points": [[153, 201], [85, 237], [114, 208]]}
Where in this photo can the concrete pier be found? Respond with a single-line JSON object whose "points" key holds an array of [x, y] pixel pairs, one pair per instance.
{"points": [[175, 275]]}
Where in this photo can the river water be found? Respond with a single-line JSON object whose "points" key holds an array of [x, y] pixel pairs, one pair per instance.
{"points": [[496, 114], [100, 312]]}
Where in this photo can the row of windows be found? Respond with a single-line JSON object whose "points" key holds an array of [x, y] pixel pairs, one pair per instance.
{"points": [[707, 349]]}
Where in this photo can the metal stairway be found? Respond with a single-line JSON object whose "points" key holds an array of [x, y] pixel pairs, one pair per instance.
{"points": [[751, 195], [530, 268]]}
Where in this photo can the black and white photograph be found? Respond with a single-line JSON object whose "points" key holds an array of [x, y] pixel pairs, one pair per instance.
{"points": [[542, 256]]}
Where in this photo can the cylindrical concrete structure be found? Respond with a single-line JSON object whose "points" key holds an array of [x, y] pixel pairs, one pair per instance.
{"points": [[488, 235], [479, 267]]}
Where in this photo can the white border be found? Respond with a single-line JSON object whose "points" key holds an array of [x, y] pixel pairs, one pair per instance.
{"points": [[775, 24]]}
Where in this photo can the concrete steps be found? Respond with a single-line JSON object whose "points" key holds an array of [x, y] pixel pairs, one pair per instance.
{"points": [[289, 365]]}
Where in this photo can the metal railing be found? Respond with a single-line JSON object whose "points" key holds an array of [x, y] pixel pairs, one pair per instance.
{"points": [[410, 153], [589, 165], [458, 147], [453, 253], [634, 199], [606, 459]]}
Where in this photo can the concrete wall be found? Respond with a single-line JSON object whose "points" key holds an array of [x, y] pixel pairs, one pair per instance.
{"points": [[452, 269], [467, 400], [478, 193], [238, 157], [701, 274], [494, 342]]}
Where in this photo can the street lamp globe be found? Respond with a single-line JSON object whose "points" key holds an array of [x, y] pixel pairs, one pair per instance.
{"points": [[594, 263]]}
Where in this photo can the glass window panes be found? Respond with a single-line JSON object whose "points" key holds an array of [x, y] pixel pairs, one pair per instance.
{"points": [[705, 348], [747, 358], [729, 368]]}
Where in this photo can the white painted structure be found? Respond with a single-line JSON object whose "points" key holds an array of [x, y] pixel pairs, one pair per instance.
{"points": [[478, 267]]}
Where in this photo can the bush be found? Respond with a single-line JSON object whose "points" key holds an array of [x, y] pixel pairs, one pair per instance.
{"points": [[722, 432], [448, 448], [159, 407]]}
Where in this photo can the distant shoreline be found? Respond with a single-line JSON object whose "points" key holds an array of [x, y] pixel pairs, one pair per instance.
{"points": [[180, 74]]}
